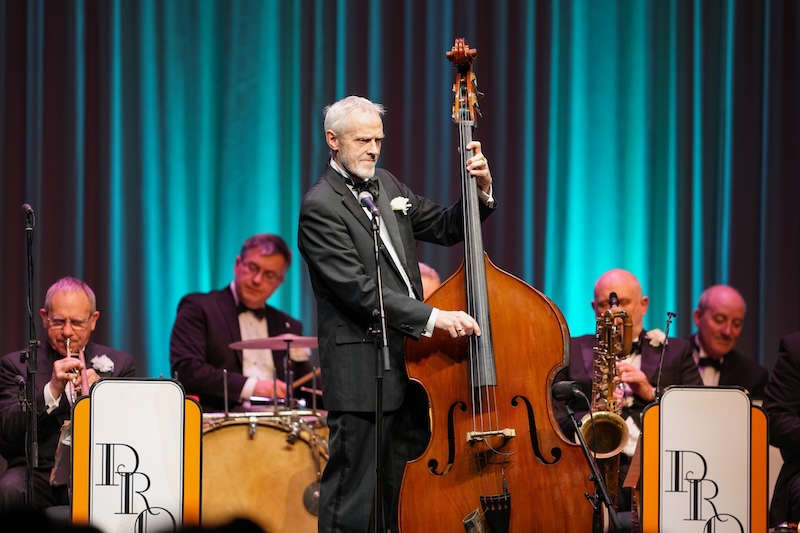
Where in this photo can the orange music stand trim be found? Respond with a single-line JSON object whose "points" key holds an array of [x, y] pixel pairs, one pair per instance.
{"points": [[192, 453], [651, 468]]}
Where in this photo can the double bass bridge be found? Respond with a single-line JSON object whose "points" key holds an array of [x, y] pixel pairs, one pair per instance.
{"points": [[484, 436]]}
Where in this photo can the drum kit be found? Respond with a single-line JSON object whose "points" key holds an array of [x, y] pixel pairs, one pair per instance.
{"points": [[265, 465]]}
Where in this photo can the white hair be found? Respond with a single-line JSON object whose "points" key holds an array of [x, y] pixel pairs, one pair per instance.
{"points": [[70, 284], [336, 113]]}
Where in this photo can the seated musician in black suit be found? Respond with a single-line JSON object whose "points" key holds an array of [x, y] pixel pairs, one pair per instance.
{"points": [[782, 404], [69, 313], [719, 318], [639, 374], [207, 323]]}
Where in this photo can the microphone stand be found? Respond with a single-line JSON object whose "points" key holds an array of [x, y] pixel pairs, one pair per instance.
{"points": [[29, 356], [378, 330], [600, 496], [670, 316]]}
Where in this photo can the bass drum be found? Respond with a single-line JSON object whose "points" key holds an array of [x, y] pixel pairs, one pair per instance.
{"points": [[250, 470]]}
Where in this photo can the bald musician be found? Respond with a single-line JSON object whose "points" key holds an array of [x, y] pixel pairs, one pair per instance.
{"points": [[719, 318], [639, 374]]}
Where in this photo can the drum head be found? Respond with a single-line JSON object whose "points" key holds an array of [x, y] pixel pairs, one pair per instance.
{"points": [[261, 477]]}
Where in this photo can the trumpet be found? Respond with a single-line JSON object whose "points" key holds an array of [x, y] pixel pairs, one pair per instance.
{"points": [[79, 379]]}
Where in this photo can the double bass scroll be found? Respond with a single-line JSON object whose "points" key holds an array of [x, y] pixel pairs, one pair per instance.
{"points": [[496, 460]]}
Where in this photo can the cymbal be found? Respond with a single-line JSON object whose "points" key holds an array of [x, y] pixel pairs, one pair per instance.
{"points": [[278, 342]]}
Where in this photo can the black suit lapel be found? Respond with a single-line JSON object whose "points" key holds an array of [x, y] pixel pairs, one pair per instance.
{"points": [[650, 359], [650, 356], [226, 309], [727, 371], [336, 181], [401, 234], [275, 324], [389, 219]]}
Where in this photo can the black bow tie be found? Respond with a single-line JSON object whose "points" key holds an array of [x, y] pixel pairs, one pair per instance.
{"points": [[709, 361], [359, 185], [260, 313], [636, 347]]}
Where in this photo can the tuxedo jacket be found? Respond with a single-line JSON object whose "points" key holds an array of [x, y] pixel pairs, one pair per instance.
{"points": [[335, 239], [782, 404], [13, 422], [678, 368], [206, 324], [739, 370]]}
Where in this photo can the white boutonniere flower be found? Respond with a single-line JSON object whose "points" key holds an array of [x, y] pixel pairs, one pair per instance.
{"points": [[401, 203], [102, 363], [656, 337]]}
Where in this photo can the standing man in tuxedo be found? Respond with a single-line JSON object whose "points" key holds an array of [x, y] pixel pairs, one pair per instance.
{"points": [[207, 323], [782, 404], [69, 312], [639, 374], [719, 318], [335, 238]]}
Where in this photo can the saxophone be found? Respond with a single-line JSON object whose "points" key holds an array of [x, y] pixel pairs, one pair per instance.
{"points": [[603, 428]]}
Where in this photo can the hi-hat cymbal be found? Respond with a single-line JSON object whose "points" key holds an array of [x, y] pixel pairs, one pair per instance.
{"points": [[278, 342]]}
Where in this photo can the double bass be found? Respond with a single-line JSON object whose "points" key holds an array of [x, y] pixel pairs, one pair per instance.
{"points": [[496, 460]]}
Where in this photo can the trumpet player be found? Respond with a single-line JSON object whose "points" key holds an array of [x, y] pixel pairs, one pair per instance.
{"points": [[69, 317]]}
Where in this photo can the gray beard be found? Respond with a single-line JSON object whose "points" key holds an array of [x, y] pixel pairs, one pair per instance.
{"points": [[356, 174]]}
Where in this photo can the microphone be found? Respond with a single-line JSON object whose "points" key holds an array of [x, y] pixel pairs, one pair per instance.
{"points": [[670, 316], [30, 219], [566, 391], [368, 201]]}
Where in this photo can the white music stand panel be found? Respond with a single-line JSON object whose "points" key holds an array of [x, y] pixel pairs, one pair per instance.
{"points": [[136, 455]]}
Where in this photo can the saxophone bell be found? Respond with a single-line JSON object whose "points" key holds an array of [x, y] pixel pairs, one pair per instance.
{"points": [[605, 433]]}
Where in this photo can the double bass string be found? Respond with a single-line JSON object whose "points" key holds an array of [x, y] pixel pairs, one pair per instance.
{"points": [[472, 351], [477, 305]]}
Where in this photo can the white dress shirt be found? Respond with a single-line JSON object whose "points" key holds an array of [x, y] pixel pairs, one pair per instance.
{"points": [[258, 364], [709, 374]]}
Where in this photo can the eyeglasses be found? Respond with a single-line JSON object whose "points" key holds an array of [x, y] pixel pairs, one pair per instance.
{"points": [[269, 275], [77, 324]]}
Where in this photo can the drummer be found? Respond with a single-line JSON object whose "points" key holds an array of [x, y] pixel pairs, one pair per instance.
{"points": [[207, 323]]}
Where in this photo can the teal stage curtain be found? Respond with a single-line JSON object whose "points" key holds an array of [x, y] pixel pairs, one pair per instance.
{"points": [[153, 137]]}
